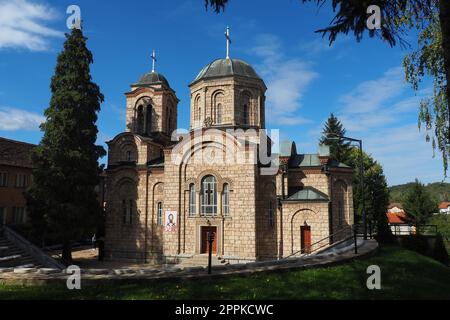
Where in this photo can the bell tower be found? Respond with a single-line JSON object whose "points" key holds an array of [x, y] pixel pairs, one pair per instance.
{"points": [[152, 106]]}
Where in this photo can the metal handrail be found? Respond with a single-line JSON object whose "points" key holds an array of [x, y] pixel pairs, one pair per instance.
{"points": [[317, 242]]}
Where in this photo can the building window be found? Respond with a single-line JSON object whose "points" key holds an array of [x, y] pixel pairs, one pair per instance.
{"points": [[128, 155], [3, 179], [2, 216], [127, 211], [246, 122], [159, 214], [192, 200], [21, 180], [271, 212], [19, 215], [140, 120], [209, 196], [219, 113], [149, 115], [226, 200], [340, 213]]}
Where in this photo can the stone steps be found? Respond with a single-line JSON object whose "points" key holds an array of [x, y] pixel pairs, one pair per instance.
{"points": [[12, 256], [201, 260]]}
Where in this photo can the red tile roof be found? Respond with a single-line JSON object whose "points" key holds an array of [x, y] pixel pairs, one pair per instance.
{"points": [[395, 218], [444, 205]]}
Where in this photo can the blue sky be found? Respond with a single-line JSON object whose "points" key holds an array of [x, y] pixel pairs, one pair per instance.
{"points": [[362, 83]]}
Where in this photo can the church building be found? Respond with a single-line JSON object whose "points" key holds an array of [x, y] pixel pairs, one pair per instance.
{"points": [[168, 189]]}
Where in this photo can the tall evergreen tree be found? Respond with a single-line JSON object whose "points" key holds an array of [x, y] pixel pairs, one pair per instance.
{"points": [[62, 200], [339, 149], [418, 204]]}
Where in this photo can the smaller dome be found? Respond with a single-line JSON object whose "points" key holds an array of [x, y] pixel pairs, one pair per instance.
{"points": [[225, 68], [152, 78]]}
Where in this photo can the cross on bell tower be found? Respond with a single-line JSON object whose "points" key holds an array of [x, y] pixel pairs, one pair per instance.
{"points": [[153, 60], [227, 36]]}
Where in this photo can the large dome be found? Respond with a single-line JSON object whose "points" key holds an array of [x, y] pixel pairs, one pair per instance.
{"points": [[225, 68], [152, 78]]}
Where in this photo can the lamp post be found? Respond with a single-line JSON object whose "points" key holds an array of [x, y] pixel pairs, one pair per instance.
{"points": [[361, 177]]}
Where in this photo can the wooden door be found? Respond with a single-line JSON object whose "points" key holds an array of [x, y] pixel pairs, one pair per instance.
{"points": [[204, 239], [305, 232]]}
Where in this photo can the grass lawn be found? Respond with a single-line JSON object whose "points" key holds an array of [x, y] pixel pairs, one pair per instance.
{"points": [[404, 275]]}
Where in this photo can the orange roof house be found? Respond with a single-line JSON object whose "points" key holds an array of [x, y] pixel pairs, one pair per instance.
{"points": [[396, 218]]}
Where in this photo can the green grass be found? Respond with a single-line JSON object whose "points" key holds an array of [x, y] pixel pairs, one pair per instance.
{"points": [[404, 275]]}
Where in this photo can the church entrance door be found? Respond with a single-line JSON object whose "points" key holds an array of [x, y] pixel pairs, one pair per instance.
{"points": [[204, 239], [305, 236]]}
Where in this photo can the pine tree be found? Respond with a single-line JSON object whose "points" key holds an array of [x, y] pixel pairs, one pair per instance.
{"points": [[339, 149], [418, 204], [62, 199]]}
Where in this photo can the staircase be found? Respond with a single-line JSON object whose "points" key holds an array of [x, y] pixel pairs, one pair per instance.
{"points": [[12, 256], [201, 260]]}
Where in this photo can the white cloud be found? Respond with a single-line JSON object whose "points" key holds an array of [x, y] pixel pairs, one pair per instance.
{"points": [[375, 111], [286, 80], [22, 25], [12, 119]]}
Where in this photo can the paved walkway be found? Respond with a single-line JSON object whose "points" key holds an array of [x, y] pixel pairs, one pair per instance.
{"points": [[34, 276]]}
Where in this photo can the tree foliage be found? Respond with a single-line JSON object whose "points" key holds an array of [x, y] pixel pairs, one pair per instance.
{"points": [[339, 149], [428, 61], [374, 197], [62, 199], [418, 204]]}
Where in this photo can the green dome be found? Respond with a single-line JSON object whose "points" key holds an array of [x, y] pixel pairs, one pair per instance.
{"points": [[152, 78], [225, 68]]}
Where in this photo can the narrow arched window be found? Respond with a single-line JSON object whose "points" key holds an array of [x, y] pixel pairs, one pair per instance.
{"points": [[128, 155], [140, 120], [209, 196], [130, 211], [159, 214], [219, 113], [226, 200], [192, 200], [149, 115], [271, 213], [340, 213], [245, 116], [124, 211]]}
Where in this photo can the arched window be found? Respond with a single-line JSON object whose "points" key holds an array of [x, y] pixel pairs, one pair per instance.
{"points": [[245, 116], [140, 120], [128, 155], [149, 114], [197, 109], [340, 213], [192, 199], [271, 213], [159, 214], [209, 196], [127, 211], [219, 113], [169, 121], [226, 200]]}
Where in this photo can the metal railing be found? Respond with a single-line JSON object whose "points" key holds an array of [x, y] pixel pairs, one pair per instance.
{"points": [[406, 229], [322, 243]]}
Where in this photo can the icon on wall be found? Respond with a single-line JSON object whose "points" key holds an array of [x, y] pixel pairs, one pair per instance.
{"points": [[170, 221]]}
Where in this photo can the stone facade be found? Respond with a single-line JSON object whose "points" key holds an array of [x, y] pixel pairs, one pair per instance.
{"points": [[164, 197]]}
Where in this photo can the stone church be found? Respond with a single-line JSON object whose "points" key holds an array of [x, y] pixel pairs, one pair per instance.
{"points": [[167, 190]]}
